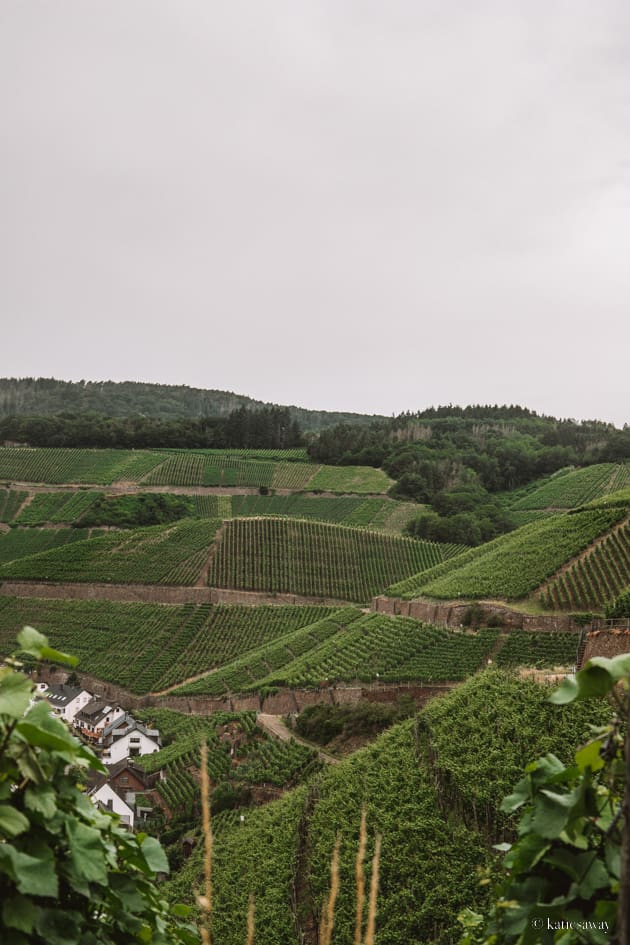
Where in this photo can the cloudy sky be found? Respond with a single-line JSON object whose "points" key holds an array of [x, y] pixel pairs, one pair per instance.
{"points": [[341, 204]]}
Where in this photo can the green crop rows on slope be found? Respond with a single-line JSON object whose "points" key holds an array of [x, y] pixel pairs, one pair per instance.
{"points": [[161, 554], [570, 488], [431, 790], [147, 647], [74, 465], [380, 513], [59, 507], [316, 559], [595, 578], [232, 630], [515, 564], [237, 751], [10, 502], [21, 543], [543, 649], [350, 479], [348, 646], [243, 673], [390, 649]]}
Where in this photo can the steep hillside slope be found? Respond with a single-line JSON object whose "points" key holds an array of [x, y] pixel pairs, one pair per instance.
{"points": [[515, 565], [431, 788]]}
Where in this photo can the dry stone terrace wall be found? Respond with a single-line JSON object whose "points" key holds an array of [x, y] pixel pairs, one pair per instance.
{"points": [[281, 703], [452, 614], [156, 594], [608, 643]]}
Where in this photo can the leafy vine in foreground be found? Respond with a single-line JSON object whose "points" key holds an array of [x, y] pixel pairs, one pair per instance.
{"points": [[69, 873]]}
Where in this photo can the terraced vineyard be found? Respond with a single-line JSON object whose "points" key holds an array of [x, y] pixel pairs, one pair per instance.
{"points": [[595, 578], [349, 646], [244, 673], [58, 507], [375, 513], [388, 649], [68, 507], [238, 751], [316, 559], [21, 543], [542, 650], [231, 630], [10, 502], [278, 469], [570, 488], [162, 554], [74, 465], [432, 788], [146, 647], [514, 565], [216, 469]]}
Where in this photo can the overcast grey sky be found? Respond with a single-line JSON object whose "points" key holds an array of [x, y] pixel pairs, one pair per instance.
{"points": [[341, 204]]}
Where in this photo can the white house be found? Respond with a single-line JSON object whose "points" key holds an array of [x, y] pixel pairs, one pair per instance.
{"points": [[107, 798], [95, 717], [65, 701], [127, 738]]}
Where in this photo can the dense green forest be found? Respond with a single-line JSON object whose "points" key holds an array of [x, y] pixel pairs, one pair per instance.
{"points": [[46, 396], [457, 460], [243, 428]]}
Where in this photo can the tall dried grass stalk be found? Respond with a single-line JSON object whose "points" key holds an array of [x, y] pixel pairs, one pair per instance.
{"points": [[360, 878], [205, 901], [328, 918], [371, 924], [250, 920]]}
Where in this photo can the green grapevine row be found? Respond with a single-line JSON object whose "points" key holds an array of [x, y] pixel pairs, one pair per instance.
{"points": [[277, 555], [595, 578]]}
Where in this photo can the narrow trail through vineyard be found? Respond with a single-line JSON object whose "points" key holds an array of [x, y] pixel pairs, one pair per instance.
{"points": [[273, 725]]}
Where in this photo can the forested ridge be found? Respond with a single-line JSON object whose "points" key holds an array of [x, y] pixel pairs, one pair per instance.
{"points": [[47, 396]]}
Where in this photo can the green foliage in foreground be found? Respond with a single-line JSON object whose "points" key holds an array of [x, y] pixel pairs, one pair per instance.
{"points": [[565, 871], [69, 874]]}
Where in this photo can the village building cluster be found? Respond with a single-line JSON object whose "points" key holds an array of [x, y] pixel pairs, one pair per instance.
{"points": [[117, 738]]}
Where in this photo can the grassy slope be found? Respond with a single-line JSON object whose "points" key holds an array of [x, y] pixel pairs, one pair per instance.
{"points": [[478, 738]]}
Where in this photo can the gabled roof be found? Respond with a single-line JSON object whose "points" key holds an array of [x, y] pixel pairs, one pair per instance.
{"points": [[132, 725], [95, 711], [61, 695]]}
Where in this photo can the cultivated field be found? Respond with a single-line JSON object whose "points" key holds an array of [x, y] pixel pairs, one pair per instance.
{"points": [[516, 564], [147, 647], [255, 468], [309, 558]]}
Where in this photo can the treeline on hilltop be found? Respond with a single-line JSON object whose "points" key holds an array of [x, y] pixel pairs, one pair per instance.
{"points": [[456, 459], [243, 428], [47, 396]]}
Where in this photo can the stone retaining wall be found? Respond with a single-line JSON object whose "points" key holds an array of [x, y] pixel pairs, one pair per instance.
{"points": [[452, 614], [156, 594], [284, 702], [606, 643]]}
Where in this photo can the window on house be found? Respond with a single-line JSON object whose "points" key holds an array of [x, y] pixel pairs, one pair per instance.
{"points": [[124, 779]]}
